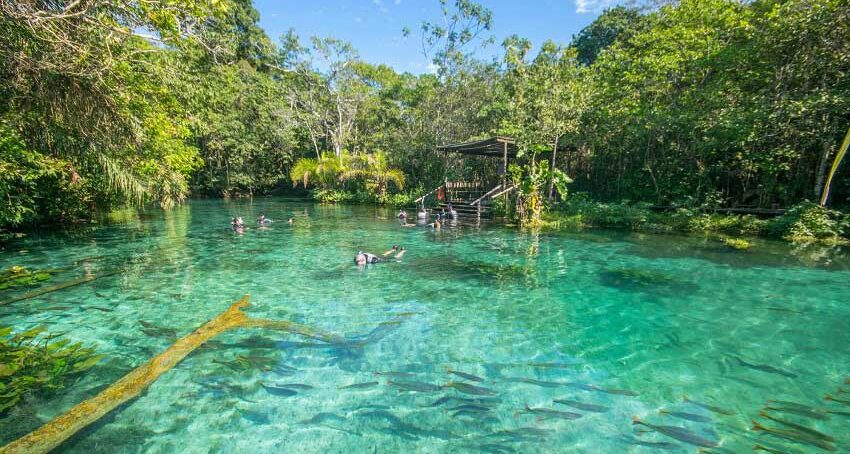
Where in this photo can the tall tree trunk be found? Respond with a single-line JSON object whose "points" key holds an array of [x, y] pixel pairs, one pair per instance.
{"points": [[552, 167], [821, 172]]}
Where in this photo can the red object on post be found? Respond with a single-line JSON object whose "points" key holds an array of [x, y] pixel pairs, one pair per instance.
{"points": [[441, 195]]}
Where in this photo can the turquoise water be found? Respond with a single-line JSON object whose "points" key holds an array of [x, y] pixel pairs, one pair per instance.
{"points": [[626, 322]]}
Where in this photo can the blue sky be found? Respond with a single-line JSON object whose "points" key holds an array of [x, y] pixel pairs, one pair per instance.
{"points": [[374, 27]]}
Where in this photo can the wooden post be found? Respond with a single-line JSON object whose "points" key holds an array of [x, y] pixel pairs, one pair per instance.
{"points": [[505, 168]]}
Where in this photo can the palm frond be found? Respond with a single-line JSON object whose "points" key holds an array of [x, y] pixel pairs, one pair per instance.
{"points": [[122, 180]]}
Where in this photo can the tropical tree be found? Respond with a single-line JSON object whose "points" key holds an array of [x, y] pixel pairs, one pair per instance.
{"points": [[324, 171], [375, 172]]}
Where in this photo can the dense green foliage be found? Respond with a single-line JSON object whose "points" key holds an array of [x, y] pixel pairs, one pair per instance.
{"points": [[32, 362], [695, 104]]}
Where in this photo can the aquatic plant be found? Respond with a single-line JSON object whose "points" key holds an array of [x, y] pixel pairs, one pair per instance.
{"points": [[19, 276], [34, 362], [737, 243]]}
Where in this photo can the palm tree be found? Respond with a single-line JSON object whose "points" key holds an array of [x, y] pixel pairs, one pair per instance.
{"points": [[376, 173], [322, 171]]}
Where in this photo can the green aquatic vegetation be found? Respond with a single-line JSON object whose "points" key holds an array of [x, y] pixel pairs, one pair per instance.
{"points": [[34, 362], [19, 276], [737, 243]]}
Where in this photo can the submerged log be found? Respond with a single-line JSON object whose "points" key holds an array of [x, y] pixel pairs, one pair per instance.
{"points": [[55, 432], [53, 288]]}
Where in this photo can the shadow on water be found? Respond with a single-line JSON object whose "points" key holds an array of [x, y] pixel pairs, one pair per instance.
{"points": [[763, 253], [642, 280], [454, 268]]}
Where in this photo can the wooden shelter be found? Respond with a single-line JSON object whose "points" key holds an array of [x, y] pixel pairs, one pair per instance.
{"points": [[472, 197]]}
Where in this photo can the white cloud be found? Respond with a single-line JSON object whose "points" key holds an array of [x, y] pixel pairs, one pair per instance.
{"points": [[592, 6], [358, 19], [380, 5], [432, 68]]}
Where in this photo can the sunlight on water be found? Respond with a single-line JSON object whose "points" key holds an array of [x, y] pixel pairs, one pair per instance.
{"points": [[613, 325]]}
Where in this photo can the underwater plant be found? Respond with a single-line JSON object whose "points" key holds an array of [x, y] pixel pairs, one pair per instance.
{"points": [[34, 362], [19, 276]]}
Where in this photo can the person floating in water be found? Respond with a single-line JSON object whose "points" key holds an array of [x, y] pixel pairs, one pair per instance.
{"points": [[436, 225], [363, 258], [291, 220], [394, 249], [452, 213], [402, 215], [422, 214], [263, 220], [238, 225]]}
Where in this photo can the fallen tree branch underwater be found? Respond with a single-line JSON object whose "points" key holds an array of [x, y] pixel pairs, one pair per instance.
{"points": [[55, 432]]}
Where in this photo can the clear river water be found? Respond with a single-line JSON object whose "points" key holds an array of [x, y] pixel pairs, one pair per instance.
{"points": [[674, 331]]}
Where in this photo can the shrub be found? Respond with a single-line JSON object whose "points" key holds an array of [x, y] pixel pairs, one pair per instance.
{"points": [[808, 221]]}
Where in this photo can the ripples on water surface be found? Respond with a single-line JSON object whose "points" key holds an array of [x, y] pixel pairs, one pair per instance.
{"points": [[628, 324]]}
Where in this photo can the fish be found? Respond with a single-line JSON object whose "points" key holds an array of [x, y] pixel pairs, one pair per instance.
{"points": [[552, 365], [415, 386], [492, 448], [395, 374], [477, 415], [471, 407], [484, 401], [523, 433], [582, 406], [788, 403], [254, 416], [686, 416], [650, 444], [590, 387], [363, 385], [678, 433], [466, 388], [834, 399], [767, 449], [531, 381], [798, 427], [160, 332], [323, 417], [284, 392], [292, 386], [795, 436], [709, 407], [814, 414], [764, 368], [469, 377], [548, 413]]}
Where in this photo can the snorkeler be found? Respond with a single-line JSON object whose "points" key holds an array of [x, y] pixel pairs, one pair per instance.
{"points": [[263, 220], [291, 220], [394, 249], [362, 258], [400, 253]]}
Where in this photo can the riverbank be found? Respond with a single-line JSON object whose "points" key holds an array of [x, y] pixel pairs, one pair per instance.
{"points": [[802, 223]]}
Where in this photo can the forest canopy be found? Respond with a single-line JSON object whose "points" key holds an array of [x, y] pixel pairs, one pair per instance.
{"points": [[114, 102]]}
